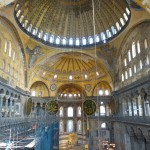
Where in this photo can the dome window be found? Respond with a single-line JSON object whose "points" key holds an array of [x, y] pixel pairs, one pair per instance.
{"points": [[64, 41], [83, 41], [113, 30], [51, 39], [122, 21], [128, 11], [70, 41], [77, 42], [57, 40], [125, 16], [91, 40], [97, 38]]}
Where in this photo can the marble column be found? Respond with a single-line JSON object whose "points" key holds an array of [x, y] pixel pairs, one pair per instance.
{"points": [[143, 102], [137, 102], [130, 97], [1, 104], [10, 109], [6, 105], [15, 99]]}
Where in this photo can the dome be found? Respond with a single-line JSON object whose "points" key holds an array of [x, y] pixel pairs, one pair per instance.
{"points": [[70, 66], [70, 23]]}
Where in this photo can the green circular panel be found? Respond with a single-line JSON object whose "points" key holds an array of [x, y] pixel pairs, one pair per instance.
{"points": [[89, 107], [52, 107]]}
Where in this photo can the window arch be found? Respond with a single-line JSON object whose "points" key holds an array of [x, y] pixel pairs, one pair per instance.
{"points": [[118, 26], [90, 40], [71, 41], [103, 37], [79, 111], [108, 33], [113, 30], [70, 112], [61, 111], [122, 21], [64, 41], [5, 49], [125, 16], [83, 41], [103, 125], [145, 43], [133, 50], [10, 48], [77, 42], [138, 47], [57, 41], [102, 110], [51, 39], [97, 38], [70, 127], [79, 126]]}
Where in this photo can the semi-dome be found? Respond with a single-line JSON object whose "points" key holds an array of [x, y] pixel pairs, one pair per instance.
{"points": [[70, 23]]}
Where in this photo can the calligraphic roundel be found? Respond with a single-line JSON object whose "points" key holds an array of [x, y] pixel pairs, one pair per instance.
{"points": [[52, 107], [89, 107]]}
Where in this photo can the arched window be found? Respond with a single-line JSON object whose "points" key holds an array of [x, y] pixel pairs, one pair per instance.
{"points": [[97, 38], [141, 65], [10, 49], [125, 16], [40, 34], [64, 41], [91, 40], [103, 37], [21, 18], [70, 126], [25, 23], [45, 36], [125, 62], [79, 126], [128, 11], [138, 47], [106, 92], [29, 28], [70, 41], [79, 111], [103, 125], [102, 111], [61, 110], [147, 60], [145, 44], [133, 50], [101, 92], [118, 26], [130, 72], [83, 41], [14, 56], [57, 40], [70, 112], [122, 21], [61, 126], [122, 76], [51, 39], [77, 42], [108, 33], [5, 49], [126, 74], [129, 56], [134, 68], [33, 93], [113, 30], [18, 13]]}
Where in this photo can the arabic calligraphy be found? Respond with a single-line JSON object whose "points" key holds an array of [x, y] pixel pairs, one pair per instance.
{"points": [[89, 107], [52, 106]]}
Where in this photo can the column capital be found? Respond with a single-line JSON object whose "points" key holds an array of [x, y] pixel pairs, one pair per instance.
{"points": [[7, 96], [2, 95]]}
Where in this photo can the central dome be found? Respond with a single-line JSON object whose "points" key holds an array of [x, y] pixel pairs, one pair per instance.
{"points": [[70, 23]]}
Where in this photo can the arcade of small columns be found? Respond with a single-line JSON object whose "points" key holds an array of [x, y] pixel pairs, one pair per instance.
{"points": [[8, 105], [135, 103]]}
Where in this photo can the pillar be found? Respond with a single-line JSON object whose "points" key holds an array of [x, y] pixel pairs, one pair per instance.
{"points": [[1, 104], [6, 105], [137, 102], [10, 110], [130, 97], [143, 102], [15, 99]]}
